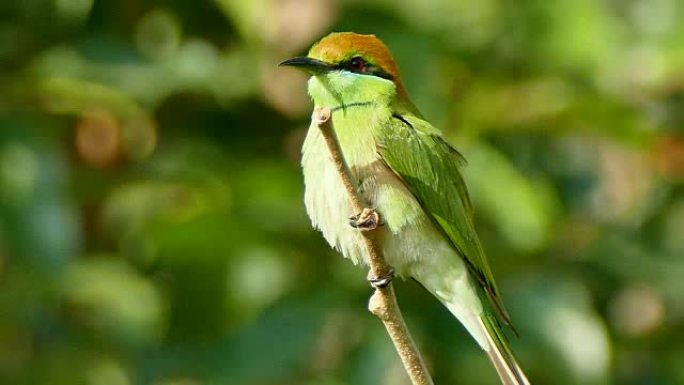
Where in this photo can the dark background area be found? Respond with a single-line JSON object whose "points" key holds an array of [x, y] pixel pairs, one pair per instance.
{"points": [[152, 229]]}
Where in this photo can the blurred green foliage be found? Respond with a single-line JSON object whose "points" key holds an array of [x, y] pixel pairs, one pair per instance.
{"points": [[152, 229]]}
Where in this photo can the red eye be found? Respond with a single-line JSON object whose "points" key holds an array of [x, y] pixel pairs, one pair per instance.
{"points": [[357, 64]]}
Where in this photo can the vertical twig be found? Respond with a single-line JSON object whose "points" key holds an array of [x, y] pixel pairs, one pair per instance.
{"points": [[383, 302]]}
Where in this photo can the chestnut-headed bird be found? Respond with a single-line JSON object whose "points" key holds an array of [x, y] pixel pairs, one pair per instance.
{"points": [[409, 175]]}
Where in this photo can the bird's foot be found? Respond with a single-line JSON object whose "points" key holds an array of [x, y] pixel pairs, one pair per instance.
{"points": [[366, 220], [382, 281]]}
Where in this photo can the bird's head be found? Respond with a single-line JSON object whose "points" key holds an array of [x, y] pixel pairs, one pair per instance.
{"points": [[348, 63]]}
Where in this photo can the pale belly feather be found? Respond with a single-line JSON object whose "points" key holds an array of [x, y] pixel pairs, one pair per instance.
{"points": [[408, 236]]}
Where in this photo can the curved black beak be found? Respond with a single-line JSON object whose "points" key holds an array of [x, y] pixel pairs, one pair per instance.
{"points": [[308, 64]]}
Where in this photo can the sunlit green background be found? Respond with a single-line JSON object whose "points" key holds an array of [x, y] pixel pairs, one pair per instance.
{"points": [[152, 229]]}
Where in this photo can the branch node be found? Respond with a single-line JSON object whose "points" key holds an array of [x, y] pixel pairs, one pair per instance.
{"points": [[381, 281], [321, 115], [376, 306]]}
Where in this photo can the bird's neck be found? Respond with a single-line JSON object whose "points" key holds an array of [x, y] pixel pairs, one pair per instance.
{"points": [[361, 106], [342, 90]]}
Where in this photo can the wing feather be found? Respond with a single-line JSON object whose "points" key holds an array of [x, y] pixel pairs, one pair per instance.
{"points": [[429, 166]]}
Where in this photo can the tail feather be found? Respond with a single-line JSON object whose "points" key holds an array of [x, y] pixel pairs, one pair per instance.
{"points": [[500, 354], [454, 289]]}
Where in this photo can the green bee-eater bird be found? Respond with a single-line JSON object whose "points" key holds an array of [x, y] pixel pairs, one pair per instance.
{"points": [[410, 175]]}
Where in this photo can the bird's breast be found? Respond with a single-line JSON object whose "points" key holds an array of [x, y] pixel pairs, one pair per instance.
{"points": [[406, 234]]}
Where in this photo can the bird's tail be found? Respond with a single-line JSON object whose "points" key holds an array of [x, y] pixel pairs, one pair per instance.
{"points": [[500, 353], [462, 300]]}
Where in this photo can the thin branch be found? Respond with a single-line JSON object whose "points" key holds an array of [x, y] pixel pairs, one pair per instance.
{"points": [[383, 302]]}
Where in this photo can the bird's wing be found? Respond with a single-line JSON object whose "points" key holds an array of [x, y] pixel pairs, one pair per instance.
{"points": [[429, 166]]}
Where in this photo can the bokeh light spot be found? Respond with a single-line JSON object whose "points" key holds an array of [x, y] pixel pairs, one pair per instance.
{"points": [[18, 172], [98, 138], [158, 34], [637, 311]]}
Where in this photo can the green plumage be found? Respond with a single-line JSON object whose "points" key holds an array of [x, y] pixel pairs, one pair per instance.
{"points": [[429, 167]]}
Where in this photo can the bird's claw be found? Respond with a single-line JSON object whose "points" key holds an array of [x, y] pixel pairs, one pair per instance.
{"points": [[366, 220], [382, 281]]}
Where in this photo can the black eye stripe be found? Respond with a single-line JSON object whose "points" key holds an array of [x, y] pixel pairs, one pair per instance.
{"points": [[360, 66], [382, 74]]}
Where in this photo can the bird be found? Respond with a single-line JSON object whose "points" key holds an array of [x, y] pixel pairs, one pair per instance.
{"points": [[410, 176]]}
